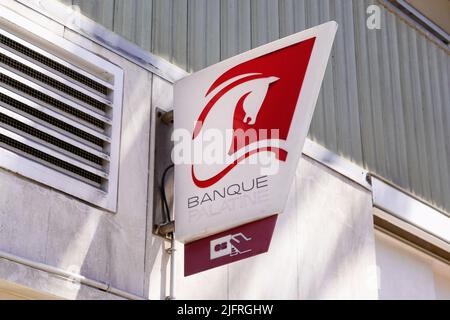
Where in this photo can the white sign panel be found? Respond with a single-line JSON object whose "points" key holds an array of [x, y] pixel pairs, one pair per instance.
{"points": [[239, 130]]}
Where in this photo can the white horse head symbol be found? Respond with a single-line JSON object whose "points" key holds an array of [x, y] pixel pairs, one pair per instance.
{"points": [[250, 89], [255, 99], [247, 91]]}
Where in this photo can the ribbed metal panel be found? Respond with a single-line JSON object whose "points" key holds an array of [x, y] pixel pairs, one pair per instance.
{"points": [[385, 100]]}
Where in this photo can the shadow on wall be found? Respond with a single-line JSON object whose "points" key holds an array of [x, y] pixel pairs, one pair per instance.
{"points": [[126, 230], [322, 248]]}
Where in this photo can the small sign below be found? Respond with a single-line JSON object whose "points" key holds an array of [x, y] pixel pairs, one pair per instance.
{"points": [[229, 246]]}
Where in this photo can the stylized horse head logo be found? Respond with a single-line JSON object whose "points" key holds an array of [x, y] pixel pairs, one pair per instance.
{"points": [[253, 100], [260, 94]]}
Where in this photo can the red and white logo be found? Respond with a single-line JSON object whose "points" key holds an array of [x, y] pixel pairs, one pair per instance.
{"points": [[239, 129], [255, 99]]}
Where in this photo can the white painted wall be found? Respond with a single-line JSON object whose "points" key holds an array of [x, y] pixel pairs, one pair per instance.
{"points": [[407, 273]]}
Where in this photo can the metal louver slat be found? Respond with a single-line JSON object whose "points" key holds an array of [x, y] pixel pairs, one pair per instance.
{"points": [[68, 143], [29, 107], [55, 112], [70, 162], [52, 98], [31, 69], [60, 112], [48, 60]]}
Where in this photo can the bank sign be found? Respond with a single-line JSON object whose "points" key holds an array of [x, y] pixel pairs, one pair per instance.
{"points": [[239, 130]]}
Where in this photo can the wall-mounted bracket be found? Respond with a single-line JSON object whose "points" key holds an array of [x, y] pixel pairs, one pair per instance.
{"points": [[162, 226], [167, 117]]}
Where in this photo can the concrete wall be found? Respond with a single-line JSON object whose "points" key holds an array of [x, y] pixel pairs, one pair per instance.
{"points": [[53, 228], [19, 281]]}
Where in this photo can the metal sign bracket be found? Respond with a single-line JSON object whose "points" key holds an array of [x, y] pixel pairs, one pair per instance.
{"points": [[163, 223]]}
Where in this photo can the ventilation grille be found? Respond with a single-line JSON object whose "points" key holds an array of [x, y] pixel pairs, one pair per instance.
{"points": [[54, 65], [54, 112]]}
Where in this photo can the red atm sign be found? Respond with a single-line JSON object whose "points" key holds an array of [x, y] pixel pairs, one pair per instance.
{"points": [[229, 246]]}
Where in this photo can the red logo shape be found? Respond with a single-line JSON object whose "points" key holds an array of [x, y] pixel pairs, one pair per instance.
{"points": [[278, 78]]}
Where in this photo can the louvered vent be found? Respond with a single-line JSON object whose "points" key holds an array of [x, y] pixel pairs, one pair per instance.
{"points": [[55, 112]]}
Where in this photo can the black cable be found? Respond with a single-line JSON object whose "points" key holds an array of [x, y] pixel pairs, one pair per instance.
{"points": [[165, 205]]}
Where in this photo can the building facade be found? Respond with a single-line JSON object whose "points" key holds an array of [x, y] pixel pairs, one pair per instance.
{"points": [[83, 85]]}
